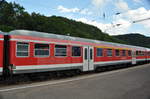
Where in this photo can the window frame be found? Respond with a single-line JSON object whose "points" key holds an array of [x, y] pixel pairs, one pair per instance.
{"points": [[119, 53], [28, 49], [124, 54], [107, 52], [130, 55], [91, 54], [148, 53], [86, 54], [137, 53], [140, 53], [80, 51], [102, 52], [55, 50], [43, 55]]}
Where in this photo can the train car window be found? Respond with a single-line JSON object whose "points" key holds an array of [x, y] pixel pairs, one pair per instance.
{"points": [[140, 53], [123, 52], [41, 50], [117, 53], [99, 52], [22, 49], [76, 51], [148, 53], [129, 53], [144, 53], [85, 54], [109, 52], [91, 54], [137, 53], [60, 50]]}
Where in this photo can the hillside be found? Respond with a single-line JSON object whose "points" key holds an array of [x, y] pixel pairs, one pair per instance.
{"points": [[135, 39], [13, 16]]}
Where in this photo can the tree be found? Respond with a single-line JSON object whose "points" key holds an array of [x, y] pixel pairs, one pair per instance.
{"points": [[14, 16], [1, 2]]}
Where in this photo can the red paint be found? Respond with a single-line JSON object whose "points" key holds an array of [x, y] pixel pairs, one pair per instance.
{"points": [[106, 58], [31, 60]]}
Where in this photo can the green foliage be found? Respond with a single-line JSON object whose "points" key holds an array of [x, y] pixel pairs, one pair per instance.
{"points": [[135, 39], [13, 16], [6, 28]]}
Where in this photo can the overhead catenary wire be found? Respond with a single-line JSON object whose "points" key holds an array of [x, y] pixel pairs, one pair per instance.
{"points": [[141, 20]]}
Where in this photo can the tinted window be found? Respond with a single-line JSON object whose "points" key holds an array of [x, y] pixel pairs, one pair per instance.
{"points": [[41, 50], [137, 53], [148, 53], [60, 50], [76, 51], [129, 53], [109, 52], [117, 52], [99, 52], [123, 53], [91, 54], [142, 53], [85, 54], [22, 49]]}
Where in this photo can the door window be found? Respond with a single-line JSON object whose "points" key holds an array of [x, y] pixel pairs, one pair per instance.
{"points": [[91, 54], [85, 54]]}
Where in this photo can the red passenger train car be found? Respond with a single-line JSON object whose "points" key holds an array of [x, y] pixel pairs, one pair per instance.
{"points": [[31, 51]]}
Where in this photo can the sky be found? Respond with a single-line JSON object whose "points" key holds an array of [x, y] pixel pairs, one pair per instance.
{"points": [[114, 17]]}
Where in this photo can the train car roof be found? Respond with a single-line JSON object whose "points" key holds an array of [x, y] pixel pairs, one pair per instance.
{"points": [[2, 33], [63, 37]]}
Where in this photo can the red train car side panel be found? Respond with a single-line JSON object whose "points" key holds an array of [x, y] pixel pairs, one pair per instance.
{"points": [[112, 58], [31, 62], [51, 61]]}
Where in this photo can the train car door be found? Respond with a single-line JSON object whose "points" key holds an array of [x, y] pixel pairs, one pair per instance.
{"points": [[91, 60], [88, 58], [133, 57]]}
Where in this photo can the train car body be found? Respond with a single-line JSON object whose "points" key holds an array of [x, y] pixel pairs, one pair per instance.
{"points": [[31, 51], [36, 54]]}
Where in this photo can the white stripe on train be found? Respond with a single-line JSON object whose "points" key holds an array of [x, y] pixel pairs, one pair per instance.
{"points": [[113, 62], [52, 67], [30, 67], [27, 67]]}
